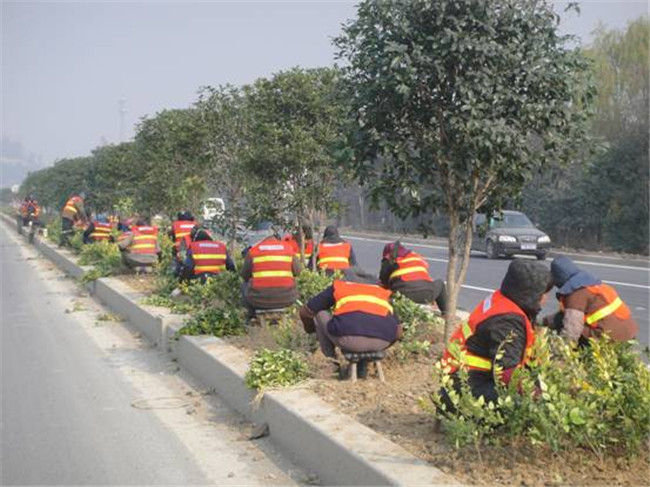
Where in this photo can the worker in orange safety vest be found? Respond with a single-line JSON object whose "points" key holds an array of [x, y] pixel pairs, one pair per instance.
{"points": [[354, 314], [502, 322], [73, 215], [589, 308], [269, 272], [334, 253]]}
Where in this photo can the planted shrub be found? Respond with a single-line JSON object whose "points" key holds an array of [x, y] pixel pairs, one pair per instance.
{"points": [[280, 368], [310, 283], [219, 322], [596, 398], [419, 325], [105, 256]]}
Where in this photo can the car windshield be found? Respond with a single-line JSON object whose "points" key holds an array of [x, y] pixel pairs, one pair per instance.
{"points": [[514, 220]]}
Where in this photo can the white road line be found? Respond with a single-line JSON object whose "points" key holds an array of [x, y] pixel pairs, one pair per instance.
{"points": [[616, 266], [478, 288], [585, 262], [412, 244], [627, 284]]}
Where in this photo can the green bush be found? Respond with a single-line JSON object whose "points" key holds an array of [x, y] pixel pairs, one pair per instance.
{"points": [[596, 397], [418, 324], [310, 283], [223, 289], [104, 255], [165, 279], [77, 241], [54, 230], [219, 322], [281, 368]]}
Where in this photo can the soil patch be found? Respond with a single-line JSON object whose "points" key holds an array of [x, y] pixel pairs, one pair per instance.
{"points": [[144, 283], [394, 409]]}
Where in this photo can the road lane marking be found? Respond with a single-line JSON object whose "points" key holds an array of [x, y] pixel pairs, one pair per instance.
{"points": [[478, 288], [627, 284], [616, 266], [435, 259], [365, 239], [585, 262]]}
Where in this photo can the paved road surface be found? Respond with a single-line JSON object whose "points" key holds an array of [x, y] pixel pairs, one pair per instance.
{"points": [[87, 402], [629, 277]]}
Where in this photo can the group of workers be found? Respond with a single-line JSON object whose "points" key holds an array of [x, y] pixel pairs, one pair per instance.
{"points": [[355, 313]]}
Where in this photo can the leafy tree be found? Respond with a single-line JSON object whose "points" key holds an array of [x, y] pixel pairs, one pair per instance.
{"points": [[604, 200], [297, 122], [225, 115], [169, 149], [114, 175], [53, 185], [458, 103]]}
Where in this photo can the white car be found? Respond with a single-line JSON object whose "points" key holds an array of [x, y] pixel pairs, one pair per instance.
{"points": [[213, 208]]}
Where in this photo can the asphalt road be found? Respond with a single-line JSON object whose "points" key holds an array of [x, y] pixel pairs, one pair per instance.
{"points": [[630, 277], [89, 402]]}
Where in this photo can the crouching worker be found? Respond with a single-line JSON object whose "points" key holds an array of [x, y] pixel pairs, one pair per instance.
{"points": [[354, 315], [500, 323], [205, 257], [269, 272], [139, 246], [588, 308], [99, 230], [407, 272]]}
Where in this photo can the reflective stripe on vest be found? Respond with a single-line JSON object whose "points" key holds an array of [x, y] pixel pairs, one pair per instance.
{"points": [[352, 297], [272, 262], [602, 312], [412, 267], [145, 239], [208, 256], [102, 231], [182, 229], [334, 255], [494, 305]]}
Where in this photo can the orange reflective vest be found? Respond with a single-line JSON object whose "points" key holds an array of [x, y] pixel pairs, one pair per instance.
{"points": [[208, 257], [334, 255], [70, 210], [144, 239], [351, 297], [411, 267], [272, 264], [181, 229], [496, 304], [102, 231], [615, 305]]}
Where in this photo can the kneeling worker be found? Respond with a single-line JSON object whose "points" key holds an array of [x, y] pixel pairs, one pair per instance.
{"points": [[588, 308], [205, 257], [407, 272], [500, 323], [269, 272], [353, 314], [139, 245]]}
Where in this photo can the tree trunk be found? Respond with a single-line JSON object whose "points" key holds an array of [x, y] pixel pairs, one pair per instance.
{"points": [[452, 289]]}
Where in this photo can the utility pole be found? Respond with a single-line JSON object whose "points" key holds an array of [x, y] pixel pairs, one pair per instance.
{"points": [[122, 112]]}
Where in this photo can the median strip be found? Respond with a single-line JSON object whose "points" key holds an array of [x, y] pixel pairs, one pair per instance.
{"points": [[309, 430]]}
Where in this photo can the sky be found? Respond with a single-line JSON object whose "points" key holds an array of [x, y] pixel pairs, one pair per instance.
{"points": [[66, 65]]}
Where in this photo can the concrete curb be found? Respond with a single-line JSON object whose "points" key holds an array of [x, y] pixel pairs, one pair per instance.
{"points": [[340, 450]]}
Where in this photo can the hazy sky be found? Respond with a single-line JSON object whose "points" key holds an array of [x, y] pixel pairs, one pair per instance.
{"points": [[65, 65]]}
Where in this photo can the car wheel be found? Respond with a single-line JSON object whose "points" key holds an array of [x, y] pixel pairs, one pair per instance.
{"points": [[541, 256], [491, 250]]}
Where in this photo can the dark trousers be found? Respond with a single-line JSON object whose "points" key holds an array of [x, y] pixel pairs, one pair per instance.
{"points": [[434, 291], [66, 231]]}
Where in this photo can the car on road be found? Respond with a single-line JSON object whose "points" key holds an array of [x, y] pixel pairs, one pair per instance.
{"points": [[509, 233]]}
